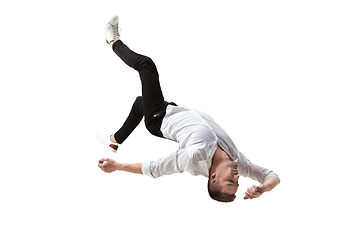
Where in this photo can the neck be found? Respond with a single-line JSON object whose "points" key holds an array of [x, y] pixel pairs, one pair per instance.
{"points": [[218, 159]]}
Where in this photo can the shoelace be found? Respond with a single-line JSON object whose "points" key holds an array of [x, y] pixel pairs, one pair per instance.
{"points": [[115, 29]]}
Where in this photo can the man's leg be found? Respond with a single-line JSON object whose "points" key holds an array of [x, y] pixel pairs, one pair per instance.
{"points": [[133, 120], [152, 98], [151, 90]]}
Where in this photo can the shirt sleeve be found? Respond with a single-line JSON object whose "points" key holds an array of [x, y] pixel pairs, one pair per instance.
{"points": [[254, 171], [164, 166], [176, 162], [200, 145], [259, 173]]}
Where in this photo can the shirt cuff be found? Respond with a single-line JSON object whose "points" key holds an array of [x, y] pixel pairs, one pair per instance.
{"points": [[145, 168]]}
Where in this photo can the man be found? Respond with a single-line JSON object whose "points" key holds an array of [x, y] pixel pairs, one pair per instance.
{"points": [[204, 147]]}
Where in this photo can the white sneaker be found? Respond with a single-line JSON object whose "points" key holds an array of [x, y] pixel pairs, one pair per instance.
{"points": [[105, 140], [112, 31]]}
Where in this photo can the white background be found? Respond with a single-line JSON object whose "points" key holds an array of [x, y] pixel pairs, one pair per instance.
{"points": [[281, 77]]}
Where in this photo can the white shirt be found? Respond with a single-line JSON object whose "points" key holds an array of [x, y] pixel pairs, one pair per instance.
{"points": [[198, 136]]}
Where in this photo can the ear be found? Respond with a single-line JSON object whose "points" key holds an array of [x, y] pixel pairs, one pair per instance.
{"points": [[213, 177]]}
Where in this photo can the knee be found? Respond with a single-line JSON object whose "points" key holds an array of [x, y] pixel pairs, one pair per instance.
{"points": [[146, 62], [138, 105], [138, 99], [138, 102]]}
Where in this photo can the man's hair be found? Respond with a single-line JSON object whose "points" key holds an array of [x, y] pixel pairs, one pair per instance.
{"points": [[217, 195]]}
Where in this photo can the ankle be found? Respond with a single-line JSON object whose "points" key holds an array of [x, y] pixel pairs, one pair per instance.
{"points": [[112, 138], [112, 42]]}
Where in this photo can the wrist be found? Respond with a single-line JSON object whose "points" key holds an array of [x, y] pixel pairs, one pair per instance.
{"points": [[264, 187], [119, 166]]}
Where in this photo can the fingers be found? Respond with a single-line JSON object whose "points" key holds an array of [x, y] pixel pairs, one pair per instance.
{"points": [[102, 163], [253, 192], [249, 193], [107, 165]]}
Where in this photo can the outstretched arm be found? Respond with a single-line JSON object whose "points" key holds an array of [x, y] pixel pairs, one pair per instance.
{"points": [[109, 165], [173, 163], [256, 191]]}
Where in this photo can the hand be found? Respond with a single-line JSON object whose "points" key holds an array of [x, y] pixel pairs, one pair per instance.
{"points": [[108, 165], [255, 191]]}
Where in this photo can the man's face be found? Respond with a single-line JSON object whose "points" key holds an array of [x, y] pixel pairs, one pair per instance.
{"points": [[228, 179]]}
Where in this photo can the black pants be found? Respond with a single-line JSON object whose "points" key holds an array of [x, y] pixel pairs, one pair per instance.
{"points": [[151, 104]]}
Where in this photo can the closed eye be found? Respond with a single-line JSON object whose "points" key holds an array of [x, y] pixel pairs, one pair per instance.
{"points": [[232, 183]]}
